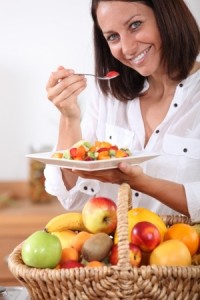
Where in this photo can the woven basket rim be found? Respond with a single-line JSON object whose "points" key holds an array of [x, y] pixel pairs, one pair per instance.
{"points": [[15, 261]]}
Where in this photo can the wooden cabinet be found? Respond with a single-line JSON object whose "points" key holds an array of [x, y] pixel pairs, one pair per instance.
{"points": [[17, 223]]}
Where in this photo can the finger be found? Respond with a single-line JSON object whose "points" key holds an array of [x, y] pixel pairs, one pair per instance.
{"points": [[65, 88], [57, 76], [66, 95], [60, 68], [129, 169]]}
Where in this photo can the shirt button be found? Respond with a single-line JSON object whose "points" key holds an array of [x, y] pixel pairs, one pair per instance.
{"points": [[85, 188], [185, 150], [175, 105], [136, 194], [181, 84], [157, 131]]}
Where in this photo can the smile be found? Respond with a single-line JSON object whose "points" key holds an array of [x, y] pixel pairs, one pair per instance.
{"points": [[138, 59]]}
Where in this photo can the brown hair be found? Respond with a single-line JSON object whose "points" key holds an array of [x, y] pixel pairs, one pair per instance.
{"points": [[180, 38]]}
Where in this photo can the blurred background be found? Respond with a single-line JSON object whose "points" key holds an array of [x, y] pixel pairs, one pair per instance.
{"points": [[36, 37]]}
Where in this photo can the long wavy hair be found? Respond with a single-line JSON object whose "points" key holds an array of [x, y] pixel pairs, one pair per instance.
{"points": [[180, 37]]}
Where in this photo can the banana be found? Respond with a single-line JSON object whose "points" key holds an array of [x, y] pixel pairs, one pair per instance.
{"points": [[70, 220]]}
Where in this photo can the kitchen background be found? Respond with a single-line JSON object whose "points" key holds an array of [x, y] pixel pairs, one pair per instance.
{"points": [[36, 37]]}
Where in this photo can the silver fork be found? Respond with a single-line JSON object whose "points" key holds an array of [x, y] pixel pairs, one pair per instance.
{"points": [[108, 76]]}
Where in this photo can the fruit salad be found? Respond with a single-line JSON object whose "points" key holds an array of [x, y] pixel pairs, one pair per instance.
{"points": [[84, 150]]}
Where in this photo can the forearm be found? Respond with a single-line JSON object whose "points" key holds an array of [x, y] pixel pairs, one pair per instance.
{"points": [[169, 193], [69, 133]]}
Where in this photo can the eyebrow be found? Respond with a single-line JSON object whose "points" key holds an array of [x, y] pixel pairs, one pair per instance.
{"points": [[124, 24]]}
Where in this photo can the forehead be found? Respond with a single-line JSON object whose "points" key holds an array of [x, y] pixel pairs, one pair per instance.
{"points": [[109, 12]]}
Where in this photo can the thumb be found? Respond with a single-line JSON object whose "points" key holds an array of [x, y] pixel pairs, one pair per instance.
{"points": [[130, 169]]}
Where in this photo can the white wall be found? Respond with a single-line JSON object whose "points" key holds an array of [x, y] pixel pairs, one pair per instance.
{"points": [[36, 36]]}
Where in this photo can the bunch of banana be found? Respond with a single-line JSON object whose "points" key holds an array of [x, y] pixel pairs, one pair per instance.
{"points": [[67, 221]]}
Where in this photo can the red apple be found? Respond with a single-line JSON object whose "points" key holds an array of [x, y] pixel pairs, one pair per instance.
{"points": [[146, 236], [100, 215], [135, 255], [70, 264]]}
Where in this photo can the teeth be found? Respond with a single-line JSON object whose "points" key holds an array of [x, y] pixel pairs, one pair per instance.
{"points": [[140, 57]]}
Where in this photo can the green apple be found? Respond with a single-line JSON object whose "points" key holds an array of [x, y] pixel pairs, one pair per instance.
{"points": [[41, 250]]}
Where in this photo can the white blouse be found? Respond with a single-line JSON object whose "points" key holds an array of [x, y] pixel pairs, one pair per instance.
{"points": [[176, 139]]}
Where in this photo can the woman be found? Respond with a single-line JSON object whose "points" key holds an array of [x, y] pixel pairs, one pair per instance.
{"points": [[153, 106]]}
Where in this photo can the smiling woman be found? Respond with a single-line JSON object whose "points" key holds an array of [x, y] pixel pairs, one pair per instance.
{"points": [[144, 109], [137, 36]]}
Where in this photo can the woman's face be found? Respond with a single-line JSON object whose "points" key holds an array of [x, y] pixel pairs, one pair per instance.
{"points": [[132, 34]]}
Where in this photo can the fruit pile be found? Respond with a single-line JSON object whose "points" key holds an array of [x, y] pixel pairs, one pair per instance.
{"points": [[89, 239], [85, 151]]}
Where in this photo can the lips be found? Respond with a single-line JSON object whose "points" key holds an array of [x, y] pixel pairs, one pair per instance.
{"points": [[139, 58]]}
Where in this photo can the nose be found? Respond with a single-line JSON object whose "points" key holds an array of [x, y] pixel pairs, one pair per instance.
{"points": [[128, 45]]}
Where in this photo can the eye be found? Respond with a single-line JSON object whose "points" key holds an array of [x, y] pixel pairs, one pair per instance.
{"points": [[135, 24], [111, 37]]}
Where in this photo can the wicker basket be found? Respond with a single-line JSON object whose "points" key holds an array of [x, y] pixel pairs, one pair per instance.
{"points": [[111, 282]]}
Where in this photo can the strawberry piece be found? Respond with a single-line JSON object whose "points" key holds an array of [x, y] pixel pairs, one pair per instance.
{"points": [[112, 74], [73, 152], [114, 147], [102, 149]]}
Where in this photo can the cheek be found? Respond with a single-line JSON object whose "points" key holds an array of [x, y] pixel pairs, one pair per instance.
{"points": [[115, 51]]}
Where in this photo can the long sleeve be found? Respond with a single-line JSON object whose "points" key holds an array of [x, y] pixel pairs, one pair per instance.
{"points": [[176, 140]]}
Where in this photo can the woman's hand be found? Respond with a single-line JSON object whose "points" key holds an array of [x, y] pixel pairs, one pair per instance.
{"points": [[124, 173], [63, 87], [169, 193]]}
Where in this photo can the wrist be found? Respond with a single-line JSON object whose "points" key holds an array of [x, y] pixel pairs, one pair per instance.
{"points": [[69, 132]]}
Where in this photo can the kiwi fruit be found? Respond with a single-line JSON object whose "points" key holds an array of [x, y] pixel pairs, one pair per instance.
{"points": [[97, 247]]}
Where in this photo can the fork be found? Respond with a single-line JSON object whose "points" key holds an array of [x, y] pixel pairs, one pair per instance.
{"points": [[108, 76]]}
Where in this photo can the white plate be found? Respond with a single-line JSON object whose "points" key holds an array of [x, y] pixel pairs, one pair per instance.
{"points": [[94, 165]]}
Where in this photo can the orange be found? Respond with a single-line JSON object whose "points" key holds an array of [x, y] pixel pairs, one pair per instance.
{"points": [[69, 254], [79, 239], [171, 253], [95, 263], [184, 233]]}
